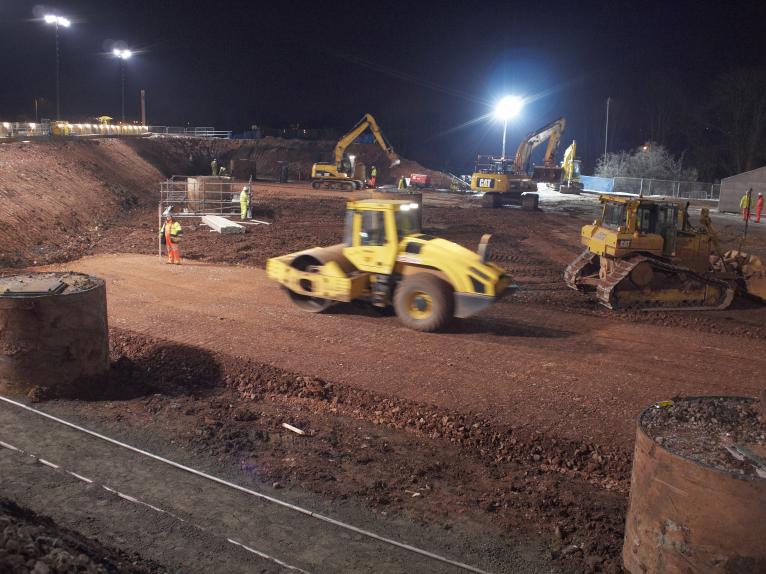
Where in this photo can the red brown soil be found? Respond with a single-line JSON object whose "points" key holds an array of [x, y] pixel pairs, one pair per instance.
{"points": [[56, 196], [399, 457], [702, 429], [186, 156], [33, 543], [529, 408], [60, 198]]}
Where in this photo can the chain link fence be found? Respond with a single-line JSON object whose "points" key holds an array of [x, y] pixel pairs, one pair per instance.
{"points": [[647, 186]]}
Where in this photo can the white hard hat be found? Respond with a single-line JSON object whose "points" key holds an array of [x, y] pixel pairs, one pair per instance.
{"points": [[244, 188]]}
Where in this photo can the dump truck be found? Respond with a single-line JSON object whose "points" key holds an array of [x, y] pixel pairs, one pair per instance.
{"points": [[643, 253], [386, 261]]}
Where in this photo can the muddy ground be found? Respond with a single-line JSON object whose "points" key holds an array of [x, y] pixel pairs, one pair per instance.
{"points": [[519, 421], [33, 543]]}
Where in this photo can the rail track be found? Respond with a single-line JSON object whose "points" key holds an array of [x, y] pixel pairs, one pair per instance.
{"points": [[288, 536]]}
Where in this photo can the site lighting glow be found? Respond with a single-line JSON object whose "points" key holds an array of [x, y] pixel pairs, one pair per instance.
{"points": [[58, 20], [509, 107], [122, 54]]}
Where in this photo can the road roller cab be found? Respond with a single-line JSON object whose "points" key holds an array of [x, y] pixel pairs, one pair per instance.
{"points": [[386, 260]]}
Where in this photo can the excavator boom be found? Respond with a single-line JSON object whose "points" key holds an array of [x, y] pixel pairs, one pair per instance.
{"points": [[366, 122], [339, 173], [551, 132]]}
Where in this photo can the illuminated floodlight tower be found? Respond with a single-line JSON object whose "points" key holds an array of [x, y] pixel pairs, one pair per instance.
{"points": [[57, 21], [122, 55], [506, 109]]}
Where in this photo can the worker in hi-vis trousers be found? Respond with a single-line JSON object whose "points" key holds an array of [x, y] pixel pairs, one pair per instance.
{"points": [[758, 208], [171, 233], [244, 201]]}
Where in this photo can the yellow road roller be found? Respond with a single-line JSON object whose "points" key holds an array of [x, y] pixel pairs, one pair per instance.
{"points": [[386, 260]]}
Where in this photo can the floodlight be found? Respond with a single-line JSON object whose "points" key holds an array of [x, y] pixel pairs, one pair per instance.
{"points": [[58, 20], [509, 107]]}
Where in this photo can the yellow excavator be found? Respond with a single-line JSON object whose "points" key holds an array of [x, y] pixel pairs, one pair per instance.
{"points": [[645, 254], [570, 172], [386, 261], [506, 181], [341, 174]]}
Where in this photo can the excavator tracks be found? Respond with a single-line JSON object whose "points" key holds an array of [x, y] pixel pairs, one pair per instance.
{"points": [[670, 288]]}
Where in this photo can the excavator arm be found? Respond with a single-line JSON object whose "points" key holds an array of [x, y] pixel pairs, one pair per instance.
{"points": [[551, 132], [366, 122], [567, 163]]}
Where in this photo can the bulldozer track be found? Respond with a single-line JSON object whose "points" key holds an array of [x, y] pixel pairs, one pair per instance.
{"points": [[573, 269], [606, 290]]}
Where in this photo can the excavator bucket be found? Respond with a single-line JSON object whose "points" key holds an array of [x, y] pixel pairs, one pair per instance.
{"points": [[752, 271]]}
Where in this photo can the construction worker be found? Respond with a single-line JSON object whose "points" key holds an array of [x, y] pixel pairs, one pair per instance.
{"points": [[244, 202], [758, 207], [373, 176], [222, 172], [214, 166], [402, 183], [171, 232], [744, 205]]}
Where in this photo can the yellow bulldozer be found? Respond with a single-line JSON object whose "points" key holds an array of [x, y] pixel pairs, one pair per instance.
{"points": [[342, 173], [644, 254], [386, 261]]}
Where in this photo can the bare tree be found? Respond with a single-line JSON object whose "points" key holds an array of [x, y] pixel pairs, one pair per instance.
{"points": [[651, 161]]}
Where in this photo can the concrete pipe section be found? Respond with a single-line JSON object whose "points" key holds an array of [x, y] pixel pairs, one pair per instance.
{"points": [[53, 333], [698, 492]]}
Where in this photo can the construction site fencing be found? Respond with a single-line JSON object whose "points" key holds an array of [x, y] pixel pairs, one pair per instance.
{"points": [[648, 186], [63, 128], [21, 130], [190, 132], [194, 196]]}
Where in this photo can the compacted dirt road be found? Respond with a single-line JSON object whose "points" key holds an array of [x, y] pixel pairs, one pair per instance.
{"points": [[567, 374]]}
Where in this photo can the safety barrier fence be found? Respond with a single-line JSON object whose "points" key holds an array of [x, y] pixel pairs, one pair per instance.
{"points": [[190, 132], [45, 129], [22, 130], [648, 186], [17, 130]]}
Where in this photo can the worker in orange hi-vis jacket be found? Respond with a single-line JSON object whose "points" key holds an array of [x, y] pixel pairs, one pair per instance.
{"points": [[171, 232], [758, 208]]}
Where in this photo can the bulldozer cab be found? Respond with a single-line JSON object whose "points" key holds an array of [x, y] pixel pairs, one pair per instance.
{"points": [[661, 219], [667, 220], [373, 231]]}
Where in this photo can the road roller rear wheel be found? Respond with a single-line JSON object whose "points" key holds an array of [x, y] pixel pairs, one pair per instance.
{"points": [[424, 302]]}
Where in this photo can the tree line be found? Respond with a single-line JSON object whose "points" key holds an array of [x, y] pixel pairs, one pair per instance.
{"points": [[695, 133]]}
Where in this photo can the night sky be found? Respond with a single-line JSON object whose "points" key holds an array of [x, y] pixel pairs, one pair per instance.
{"points": [[424, 69]]}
